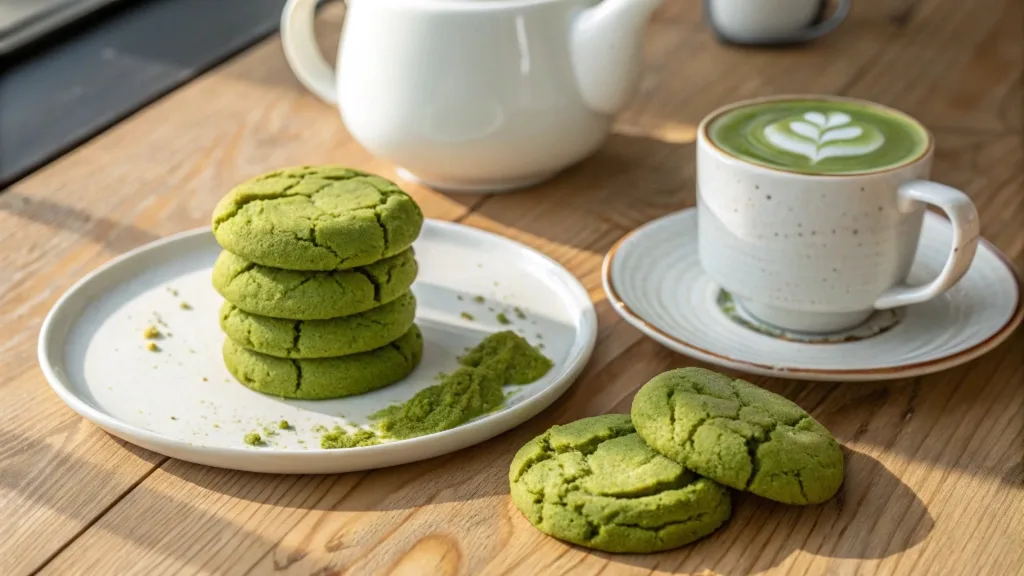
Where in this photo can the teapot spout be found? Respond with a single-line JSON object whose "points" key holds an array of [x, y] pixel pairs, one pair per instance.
{"points": [[607, 48]]}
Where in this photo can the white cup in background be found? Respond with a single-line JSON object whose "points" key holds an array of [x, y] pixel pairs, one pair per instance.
{"points": [[772, 21]]}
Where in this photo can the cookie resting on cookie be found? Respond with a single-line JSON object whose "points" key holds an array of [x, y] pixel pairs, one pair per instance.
{"points": [[312, 295], [739, 434], [316, 218], [319, 338]]}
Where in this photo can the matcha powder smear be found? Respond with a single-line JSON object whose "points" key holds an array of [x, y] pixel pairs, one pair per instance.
{"points": [[472, 390]]}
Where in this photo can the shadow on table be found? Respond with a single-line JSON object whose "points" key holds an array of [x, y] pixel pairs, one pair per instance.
{"points": [[163, 513], [51, 475], [873, 516], [114, 236], [631, 179]]}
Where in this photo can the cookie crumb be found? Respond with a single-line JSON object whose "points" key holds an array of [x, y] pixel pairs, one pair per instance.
{"points": [[341, 438], [152, 347], [174, 418], [253, 439], [519, 313], [467, 316], [151, 332], [479, 299], [284, 425], [172, 291], [503, 319], [184, 305]]}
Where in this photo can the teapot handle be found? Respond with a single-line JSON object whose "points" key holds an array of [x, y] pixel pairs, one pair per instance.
{"points": [[302, 52]]}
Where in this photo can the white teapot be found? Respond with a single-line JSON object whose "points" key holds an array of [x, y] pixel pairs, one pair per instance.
{"points": [[476, 95]]}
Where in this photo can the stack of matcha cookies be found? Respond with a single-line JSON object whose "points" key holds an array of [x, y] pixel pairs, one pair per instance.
{"points": [[657, 478], [316, 273]]}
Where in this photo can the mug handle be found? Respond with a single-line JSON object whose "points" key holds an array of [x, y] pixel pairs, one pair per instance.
{"points": [[302, 52], [966, 232], [833, 22]]}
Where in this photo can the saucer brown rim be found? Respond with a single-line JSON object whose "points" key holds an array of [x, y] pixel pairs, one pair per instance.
{"points": [[968, 354]]}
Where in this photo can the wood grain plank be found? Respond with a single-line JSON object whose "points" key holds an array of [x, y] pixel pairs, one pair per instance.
{"points": [[688, 73], [953, 65], [935, 464], [910, 444], [158, 173]]}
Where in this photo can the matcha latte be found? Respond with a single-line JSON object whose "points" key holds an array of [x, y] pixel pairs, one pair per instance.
{"points": [[819, 137]]}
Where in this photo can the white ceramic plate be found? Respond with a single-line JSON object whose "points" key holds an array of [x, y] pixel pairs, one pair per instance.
{"points": [[182, 402], [654, 279]]}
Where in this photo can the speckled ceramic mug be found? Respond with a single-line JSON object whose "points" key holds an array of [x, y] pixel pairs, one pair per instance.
{"points": [[810, 209]]}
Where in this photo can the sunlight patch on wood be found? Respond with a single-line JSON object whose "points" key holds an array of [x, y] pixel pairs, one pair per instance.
{"points": [[669, 133]]}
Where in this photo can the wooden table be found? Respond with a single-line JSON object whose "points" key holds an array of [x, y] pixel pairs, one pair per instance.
{"points": [[935, 465]]}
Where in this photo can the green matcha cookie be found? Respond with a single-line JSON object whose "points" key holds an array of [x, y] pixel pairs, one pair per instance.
{"points": [[595, 483], [740, 435], [316, 218], [319, 338], [312, 295], [322, 378]]}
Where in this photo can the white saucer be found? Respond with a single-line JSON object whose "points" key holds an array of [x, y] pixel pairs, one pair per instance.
{"points": [[654, 279], [182, 402]]}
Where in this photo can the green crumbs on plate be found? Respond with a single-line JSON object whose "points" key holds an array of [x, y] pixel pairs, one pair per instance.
{"points": [[503, 319], [341, 438], [283, 425], [472, 390], [467, 316], [253, 439]]}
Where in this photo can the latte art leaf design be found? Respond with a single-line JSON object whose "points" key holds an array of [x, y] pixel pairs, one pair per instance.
{"points": [[819, 135]]}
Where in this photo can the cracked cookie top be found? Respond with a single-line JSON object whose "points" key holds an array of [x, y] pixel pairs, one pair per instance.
{"points": [[739, 434], [594, 482], [324, 378], [316, 218], [319, 338], [299, 295]]}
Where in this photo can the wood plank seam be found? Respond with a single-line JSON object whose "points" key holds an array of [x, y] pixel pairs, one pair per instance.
{"points": [[87, 525]]}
